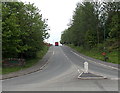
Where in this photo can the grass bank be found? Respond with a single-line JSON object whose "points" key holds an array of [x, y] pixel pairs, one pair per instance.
{"points": [[97, 54], [29, 62]]}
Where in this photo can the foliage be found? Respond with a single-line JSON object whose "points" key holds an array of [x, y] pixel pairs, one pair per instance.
{"points": [[23, 30], [113, 56], [29, 62], [83, 25], [94, 23]]}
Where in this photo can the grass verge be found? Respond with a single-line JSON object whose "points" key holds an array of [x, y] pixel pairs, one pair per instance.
{"points": [[29, 62], [95, 53]]}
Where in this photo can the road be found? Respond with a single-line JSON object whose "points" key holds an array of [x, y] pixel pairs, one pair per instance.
{"points": [[61, 74]]}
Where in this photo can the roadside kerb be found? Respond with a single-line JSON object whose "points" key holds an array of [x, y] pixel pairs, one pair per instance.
{"points": [[30, 70]]}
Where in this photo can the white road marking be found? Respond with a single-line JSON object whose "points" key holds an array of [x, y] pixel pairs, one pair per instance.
{"points": [[71, 63], [78, 70], [80, 74], [115, 78], [95, 62], [53, 52], [46, 63]]}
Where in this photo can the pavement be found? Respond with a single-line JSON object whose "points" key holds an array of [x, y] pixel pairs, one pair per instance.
{"points": [[59, 72]]}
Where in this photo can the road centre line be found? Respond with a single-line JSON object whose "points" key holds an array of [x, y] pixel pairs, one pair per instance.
{"points": [[53, 52], [46, 62], [72, 63], [78, 70], [95, 62]]}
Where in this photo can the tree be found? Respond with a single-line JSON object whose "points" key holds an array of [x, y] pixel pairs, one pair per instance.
{"points": [[84, 24], [23, 30], [93, 23]]}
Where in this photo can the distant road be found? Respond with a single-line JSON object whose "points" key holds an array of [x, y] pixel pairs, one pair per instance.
{"points": [[61, 73]]}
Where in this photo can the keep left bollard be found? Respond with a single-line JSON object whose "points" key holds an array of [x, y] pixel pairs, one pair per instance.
{"points": [[85, 67]]}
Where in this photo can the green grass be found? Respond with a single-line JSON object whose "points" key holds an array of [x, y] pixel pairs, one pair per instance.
{"points": [[29, 62], [95, 53]]}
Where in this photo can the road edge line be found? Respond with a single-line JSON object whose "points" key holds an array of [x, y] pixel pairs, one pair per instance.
{"points": [[95, 62]]}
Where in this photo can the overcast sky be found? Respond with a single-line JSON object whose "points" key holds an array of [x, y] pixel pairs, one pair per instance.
{"points": [[58, 13]]}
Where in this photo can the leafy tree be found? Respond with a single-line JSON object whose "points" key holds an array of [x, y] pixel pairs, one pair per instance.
{"points": [[23, 30], [93, 23], [84, 24]]}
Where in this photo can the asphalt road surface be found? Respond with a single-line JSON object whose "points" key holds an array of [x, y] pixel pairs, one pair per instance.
{"points": [[61, 74]]}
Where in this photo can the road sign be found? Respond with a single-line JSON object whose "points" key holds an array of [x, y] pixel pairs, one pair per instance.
{"points": [[103, 53]]}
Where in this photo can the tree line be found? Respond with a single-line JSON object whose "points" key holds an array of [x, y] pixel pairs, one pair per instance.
{"points": [[23, 30], [93, 24]]}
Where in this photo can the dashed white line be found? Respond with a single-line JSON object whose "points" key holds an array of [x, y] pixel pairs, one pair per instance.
{"points": [[72, 63], [78, 70], [46, 62], [53, 52]]}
